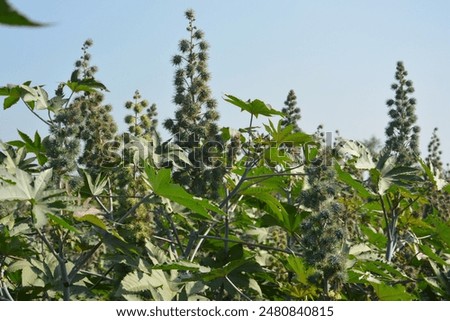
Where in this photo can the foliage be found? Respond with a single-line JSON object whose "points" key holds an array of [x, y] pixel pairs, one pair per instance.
{"points": [[88, 214]]}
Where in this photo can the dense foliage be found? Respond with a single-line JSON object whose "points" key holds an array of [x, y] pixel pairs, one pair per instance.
{"points": [[217, 213]]}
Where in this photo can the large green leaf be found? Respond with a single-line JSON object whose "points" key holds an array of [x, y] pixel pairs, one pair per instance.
{"points": [[345, 177], [387, 292], [22, 186], [285, 135], [296, 265], [160, 183], [255, 107], [93, 219], [87, 85], [138, 282], [273, 205], [357, 153], [156, 282], [96, 186], [12, 17], [387, 174], [36, 97]]}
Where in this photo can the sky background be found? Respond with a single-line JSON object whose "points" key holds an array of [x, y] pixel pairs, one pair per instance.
{"points": [[338, 56]]}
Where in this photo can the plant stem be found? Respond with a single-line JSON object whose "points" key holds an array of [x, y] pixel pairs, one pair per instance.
{"points": [[37, 115], [62, 265], [87, 255], [237, 289]]}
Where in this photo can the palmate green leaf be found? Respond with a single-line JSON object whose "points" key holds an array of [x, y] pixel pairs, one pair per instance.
{"points": [[87, 85], [160, 183], [96, 186], [12, 94], [357, 186], [138, 282], [21, 186], [263, 177], [18, 188], [357, 153], [294, 218], [35, 97], [396, 292], [275, 156], [156, 282], [255, 107], [274, 206], [290, 223], [41, 181], [12, 159], [310, 151], [278, 134], [285, 135], [10, 16], [387, 174], [296, 265]]}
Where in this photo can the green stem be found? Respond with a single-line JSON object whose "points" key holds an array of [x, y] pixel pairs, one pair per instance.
{"points": [[174, 231], [390, 229], [37, 115], [62, 265], [237, 289]]}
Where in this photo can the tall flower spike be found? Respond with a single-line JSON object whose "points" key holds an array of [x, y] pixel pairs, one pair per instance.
{"points": [[291, 112], [194, 125], [402, 132]]}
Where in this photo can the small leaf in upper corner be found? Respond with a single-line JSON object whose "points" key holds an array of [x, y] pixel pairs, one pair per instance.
{"points": [[11, 17]]}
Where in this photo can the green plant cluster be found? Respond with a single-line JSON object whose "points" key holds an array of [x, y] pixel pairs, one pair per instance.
{"points": [[214, 213]]}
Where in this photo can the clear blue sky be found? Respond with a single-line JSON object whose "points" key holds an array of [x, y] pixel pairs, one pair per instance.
{"points": [[339, 56]]}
